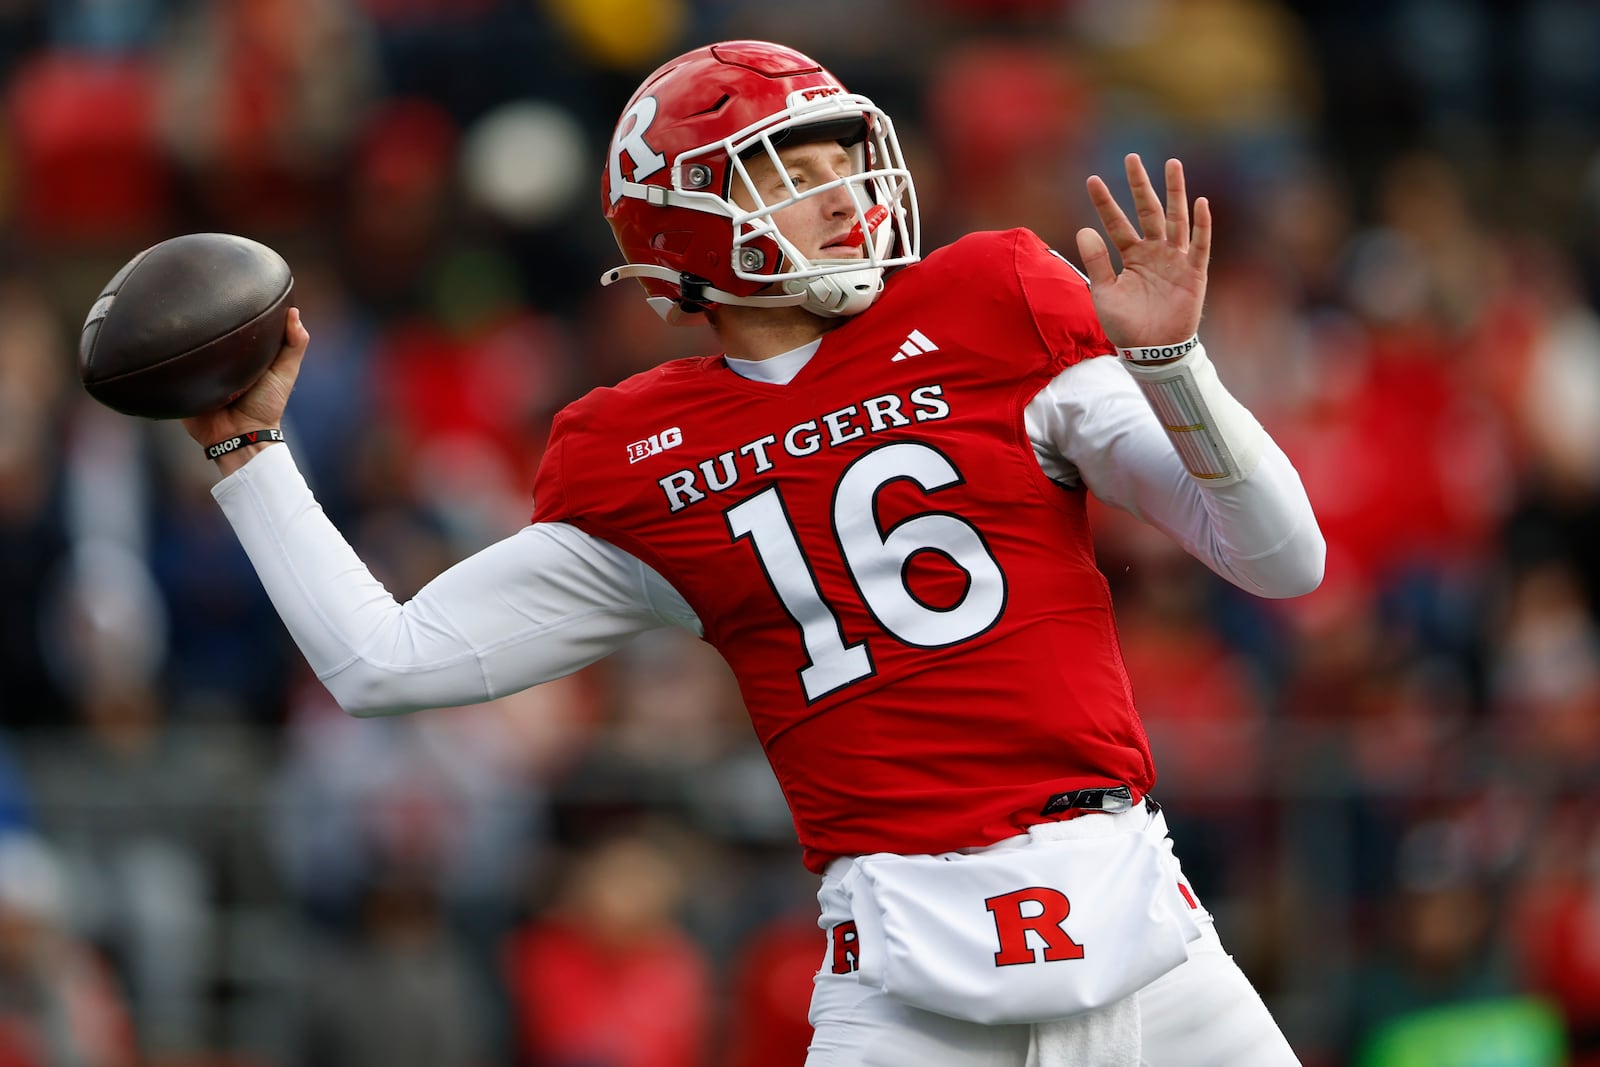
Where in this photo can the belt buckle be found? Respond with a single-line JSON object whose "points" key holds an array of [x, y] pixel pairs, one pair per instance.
{"points": [[1108, 799]]}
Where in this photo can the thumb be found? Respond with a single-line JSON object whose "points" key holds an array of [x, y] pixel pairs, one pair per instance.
{"points": [[296, 338], [1096, 257], [273, 389]]}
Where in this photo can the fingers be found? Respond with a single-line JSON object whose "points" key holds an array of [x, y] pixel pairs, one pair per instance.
{"points": [[1146, 201], [1200, 250], [1167, 222], [1177, 206], [1118, 228]]}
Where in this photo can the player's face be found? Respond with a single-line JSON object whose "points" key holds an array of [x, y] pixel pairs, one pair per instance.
{"points": [[823, 226]]}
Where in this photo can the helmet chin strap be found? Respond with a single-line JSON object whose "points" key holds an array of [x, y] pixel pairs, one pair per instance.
{"points": [[711, 293], [832, 295], [835, 295]]}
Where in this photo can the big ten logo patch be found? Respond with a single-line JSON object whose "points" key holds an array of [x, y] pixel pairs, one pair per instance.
{"points": [[1037, 910], [843, 939], [656, 443]]}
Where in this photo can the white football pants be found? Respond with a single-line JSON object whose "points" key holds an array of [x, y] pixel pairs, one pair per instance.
{"points": [[1203, 1013]]}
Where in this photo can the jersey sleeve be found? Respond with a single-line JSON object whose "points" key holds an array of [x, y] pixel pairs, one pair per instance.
{"points": [[584, 477], [550, 490], [1057, 295]]}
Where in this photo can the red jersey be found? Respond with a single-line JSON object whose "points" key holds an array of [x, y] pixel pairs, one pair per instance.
{"points": [[911, 607]]}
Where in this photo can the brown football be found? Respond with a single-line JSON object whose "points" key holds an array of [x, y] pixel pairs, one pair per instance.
{"points": [[185, 326]]}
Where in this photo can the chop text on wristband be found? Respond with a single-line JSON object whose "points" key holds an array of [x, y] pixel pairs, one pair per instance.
{"points": [[252, 437]]}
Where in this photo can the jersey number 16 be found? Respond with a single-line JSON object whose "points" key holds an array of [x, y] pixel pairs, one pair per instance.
{"points": [[877, 561]]}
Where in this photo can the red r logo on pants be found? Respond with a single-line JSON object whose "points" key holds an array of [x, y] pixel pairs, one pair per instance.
{"points": [[1047, 910], [844, 948]]}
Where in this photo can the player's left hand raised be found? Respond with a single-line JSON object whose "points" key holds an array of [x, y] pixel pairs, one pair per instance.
{"points": [[1157, 297]]}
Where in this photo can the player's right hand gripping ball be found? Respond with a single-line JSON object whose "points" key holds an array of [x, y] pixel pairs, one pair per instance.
{"points": [[186, 326]]}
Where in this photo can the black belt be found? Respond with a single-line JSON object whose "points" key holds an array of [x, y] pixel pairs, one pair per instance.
{"points": [[1108, 799]]}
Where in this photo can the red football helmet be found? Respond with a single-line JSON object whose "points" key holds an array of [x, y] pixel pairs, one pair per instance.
{"points": [[681, 145]]}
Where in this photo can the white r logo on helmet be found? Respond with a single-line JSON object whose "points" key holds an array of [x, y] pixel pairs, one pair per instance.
{"points": [[646, 160]]}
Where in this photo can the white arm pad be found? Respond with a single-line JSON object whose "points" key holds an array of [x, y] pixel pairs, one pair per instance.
{"points": [[1217, 438], [1091, 426]]}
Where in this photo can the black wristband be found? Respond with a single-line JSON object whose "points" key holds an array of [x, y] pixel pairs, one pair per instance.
{"points": [[254, 437]]}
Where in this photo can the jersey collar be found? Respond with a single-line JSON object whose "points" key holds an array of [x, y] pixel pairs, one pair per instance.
{"points": [[776, 370]]}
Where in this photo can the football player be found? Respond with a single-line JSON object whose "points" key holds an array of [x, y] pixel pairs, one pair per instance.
{"points": [[872, 502]]}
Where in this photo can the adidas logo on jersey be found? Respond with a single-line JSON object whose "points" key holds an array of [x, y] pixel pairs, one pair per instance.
{"points": [[917, 344]]}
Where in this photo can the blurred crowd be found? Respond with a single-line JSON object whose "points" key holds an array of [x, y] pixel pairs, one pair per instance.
{"points": [[1388, 791]]}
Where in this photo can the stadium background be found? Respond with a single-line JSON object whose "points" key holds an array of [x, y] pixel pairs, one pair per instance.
{"points": [[1386, 791]]}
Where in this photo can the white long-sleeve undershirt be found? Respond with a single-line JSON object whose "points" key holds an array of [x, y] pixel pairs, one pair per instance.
{"points": [[551, 599]]}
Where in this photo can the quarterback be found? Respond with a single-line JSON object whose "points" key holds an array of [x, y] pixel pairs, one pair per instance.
{"points": [[872, 503]]}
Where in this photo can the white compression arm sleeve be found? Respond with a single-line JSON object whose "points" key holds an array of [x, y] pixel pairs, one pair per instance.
{"points": [[1092, 425], [540, 604]]}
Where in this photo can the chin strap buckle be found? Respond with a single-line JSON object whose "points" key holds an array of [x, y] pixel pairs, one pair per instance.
{"points": [[692, 293]]}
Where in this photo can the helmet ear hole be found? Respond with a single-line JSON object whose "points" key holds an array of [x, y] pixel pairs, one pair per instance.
{"points": [[673, 242]]}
